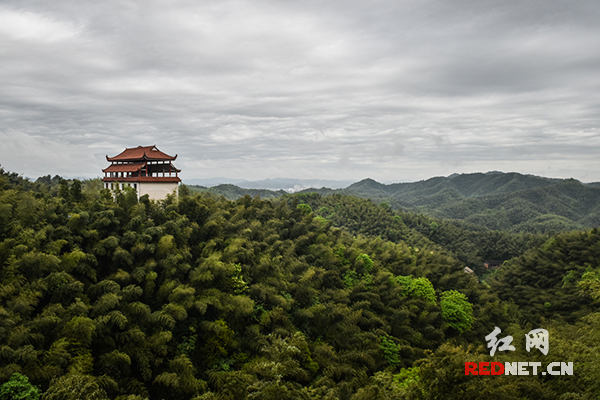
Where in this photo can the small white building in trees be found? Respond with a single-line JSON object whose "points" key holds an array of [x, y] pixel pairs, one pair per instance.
{"points": [[144, 168]]}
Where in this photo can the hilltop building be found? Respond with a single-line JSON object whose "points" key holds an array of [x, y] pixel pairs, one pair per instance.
{"points": [[144, 168]]}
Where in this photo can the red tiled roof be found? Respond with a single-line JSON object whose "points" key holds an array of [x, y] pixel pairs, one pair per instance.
{"points": [[150, 153], [143, 179], [133, 167]]}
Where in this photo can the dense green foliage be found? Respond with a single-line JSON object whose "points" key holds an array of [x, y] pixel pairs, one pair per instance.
{"points": [[302, 297], [475, 216], [19, 388], [468, 243], [498, 201], [493, 201], [557, 279]]}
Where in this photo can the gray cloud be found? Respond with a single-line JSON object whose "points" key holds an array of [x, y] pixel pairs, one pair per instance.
{"points": [[334, 90]]}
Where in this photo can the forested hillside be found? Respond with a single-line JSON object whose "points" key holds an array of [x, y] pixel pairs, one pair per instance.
{"points": [[498, 201], [492, 201], [468, 243], [301, 297]]}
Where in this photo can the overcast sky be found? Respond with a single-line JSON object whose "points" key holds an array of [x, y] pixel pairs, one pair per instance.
{"points": [[392, 90]]}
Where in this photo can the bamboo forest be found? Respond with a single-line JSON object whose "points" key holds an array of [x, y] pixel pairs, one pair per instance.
{"points": [[300, 296]]}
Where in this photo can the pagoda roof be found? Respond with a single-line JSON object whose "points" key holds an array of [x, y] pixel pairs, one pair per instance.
{"points": [[145, 153], [151, 179], [133, 167]]}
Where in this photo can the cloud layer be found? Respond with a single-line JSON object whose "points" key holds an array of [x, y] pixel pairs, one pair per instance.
{"points": [[393, 90]]}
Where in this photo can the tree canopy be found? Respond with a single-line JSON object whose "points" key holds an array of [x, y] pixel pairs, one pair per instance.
{"points": [[303, 297]]}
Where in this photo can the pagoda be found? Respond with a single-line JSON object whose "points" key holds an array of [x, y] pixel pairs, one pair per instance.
{"points": [[144, 168]]}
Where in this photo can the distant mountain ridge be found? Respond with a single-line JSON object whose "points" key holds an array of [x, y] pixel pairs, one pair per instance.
{"points": [[465, 185], [493, 200], [289, 185]]}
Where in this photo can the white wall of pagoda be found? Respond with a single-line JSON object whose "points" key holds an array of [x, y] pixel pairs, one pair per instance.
{"points": [[157, 190]]}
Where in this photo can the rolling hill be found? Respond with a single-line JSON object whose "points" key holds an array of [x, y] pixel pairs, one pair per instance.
{"points": [[494, 200]]}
